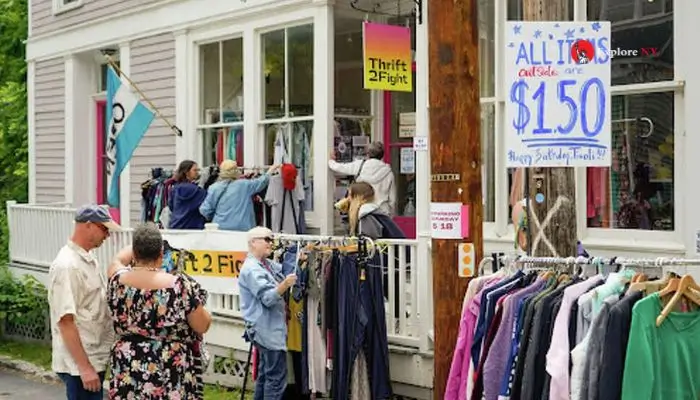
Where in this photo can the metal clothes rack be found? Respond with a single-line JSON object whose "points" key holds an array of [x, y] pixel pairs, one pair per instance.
{"points": [[646, 120], [658, 262], [340, 240]]}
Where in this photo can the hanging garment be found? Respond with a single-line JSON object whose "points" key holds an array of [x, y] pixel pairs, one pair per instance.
{"points": [[362, 322], [283, 211]]}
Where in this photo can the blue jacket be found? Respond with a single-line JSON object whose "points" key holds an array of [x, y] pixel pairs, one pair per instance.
{"points": [[263, 309], [184, 202], [234, 211]]}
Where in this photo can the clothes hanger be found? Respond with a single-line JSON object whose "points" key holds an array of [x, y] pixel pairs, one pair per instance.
{"points": [[686, 286]]}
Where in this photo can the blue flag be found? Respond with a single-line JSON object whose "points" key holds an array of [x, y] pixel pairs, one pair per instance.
{"points": [[127, 122]]}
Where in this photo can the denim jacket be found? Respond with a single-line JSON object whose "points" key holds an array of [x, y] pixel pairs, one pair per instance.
{"points": [[263, 309]]}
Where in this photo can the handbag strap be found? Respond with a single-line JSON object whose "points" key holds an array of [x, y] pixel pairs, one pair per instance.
{"points": [[359, 171], [216, 205]]}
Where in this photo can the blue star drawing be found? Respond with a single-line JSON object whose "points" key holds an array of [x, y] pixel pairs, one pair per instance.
{"points": [[596, 26], [511, 45], [551, 36], [569, 33], [557, 25], [538, 34], [582, 30], [516, 29]]}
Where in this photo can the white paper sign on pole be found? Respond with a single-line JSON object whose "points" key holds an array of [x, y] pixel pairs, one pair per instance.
{"points": [[558, 102], [446, 220], [420, 143]]}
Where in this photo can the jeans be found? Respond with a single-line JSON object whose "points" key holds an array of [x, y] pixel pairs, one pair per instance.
{"points": [[272, 374], [75, 389]]}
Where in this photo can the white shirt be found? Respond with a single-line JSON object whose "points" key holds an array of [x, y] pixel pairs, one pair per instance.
{"points": [[78, 286]]}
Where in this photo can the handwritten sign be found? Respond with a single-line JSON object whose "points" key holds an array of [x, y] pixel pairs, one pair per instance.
{"points": [[558, 107], [387, 57], [220, 264], [408, 160], [449, 220]]}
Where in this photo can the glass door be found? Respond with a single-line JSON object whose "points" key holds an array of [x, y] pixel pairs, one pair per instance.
{"points": [[399, 129]]}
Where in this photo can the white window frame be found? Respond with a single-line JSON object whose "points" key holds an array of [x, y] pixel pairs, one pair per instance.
{"points": [[601, 238], [60, 6], [200, 126], [261, 121]]}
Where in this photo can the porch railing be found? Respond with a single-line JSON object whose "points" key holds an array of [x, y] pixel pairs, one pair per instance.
{"points": [[37, 232]]}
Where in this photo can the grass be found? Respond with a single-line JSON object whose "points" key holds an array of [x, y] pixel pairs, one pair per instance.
{"points": [[40, 354], [35, 353]]}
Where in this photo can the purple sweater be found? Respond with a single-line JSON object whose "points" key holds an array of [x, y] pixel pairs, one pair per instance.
{"points": [[495, 364]]}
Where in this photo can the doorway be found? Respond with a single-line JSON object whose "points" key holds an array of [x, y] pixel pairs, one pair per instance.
{"points": [[399, 129], [101, 159]]}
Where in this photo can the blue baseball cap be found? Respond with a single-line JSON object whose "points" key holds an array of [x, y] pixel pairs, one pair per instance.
{"points": [[96, 214]]}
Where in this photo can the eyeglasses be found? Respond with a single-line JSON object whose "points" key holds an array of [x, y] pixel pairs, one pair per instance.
{"points": [[103, 228], [268, 239]]}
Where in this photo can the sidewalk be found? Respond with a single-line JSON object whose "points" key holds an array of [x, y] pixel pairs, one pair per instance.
{"points": [[16, 386]]}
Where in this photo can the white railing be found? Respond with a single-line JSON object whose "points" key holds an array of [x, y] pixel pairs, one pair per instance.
{"points": [[37, 232]]}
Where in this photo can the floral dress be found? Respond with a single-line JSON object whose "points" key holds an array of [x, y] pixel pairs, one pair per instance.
{"points": [[156, 355]]}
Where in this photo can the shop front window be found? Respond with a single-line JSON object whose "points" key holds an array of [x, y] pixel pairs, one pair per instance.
{"points": [[288, 101], [637, 191], [221, 97]]}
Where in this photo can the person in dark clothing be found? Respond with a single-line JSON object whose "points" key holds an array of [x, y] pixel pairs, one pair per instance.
{"points": [[367, 219], [186, 197]]}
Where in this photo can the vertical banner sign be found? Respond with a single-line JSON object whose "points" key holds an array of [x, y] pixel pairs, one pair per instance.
{"points": [[387, 57], [558, 98]]}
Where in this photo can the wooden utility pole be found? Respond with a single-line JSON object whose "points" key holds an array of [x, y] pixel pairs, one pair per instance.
{"points": [[556, 214], [455, 160]]}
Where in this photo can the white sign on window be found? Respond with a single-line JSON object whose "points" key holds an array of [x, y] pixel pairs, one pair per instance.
{"points": [[408, 160]]}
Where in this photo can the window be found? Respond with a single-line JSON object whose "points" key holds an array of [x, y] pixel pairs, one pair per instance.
{"points": [[103, 76], [221, 99], [487, 76], [288, 100], [637, 192], [60, 6]]}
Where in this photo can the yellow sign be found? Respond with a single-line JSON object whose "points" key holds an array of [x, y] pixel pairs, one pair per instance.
{"points": [[388, 60], [218, 264]]}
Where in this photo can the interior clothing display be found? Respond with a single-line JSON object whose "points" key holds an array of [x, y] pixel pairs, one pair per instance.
{"points": [[544, 334], [286, 210], [336, 328]]}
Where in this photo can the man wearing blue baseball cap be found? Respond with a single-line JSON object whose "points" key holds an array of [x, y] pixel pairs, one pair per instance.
{"points": [[81, 325]]}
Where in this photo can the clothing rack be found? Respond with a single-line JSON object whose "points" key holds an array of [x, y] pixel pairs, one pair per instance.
{"points": [[371, 246], [646, 120], [600, 261]]}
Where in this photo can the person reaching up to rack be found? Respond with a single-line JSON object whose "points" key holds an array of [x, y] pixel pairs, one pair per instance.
{"points": [[229, 201], [186, 197], [263, 285], [373, 171]]}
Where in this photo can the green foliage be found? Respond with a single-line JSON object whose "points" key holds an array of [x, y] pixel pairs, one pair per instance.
{"points": [[13, 111], [22, 301]]}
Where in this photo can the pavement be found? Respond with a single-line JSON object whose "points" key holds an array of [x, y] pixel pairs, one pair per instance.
{"points": [[18, 386]]}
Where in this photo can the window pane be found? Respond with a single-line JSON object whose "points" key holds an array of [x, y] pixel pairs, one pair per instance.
{"points": [[642, 38], [301, 70], [486, 47], [221, 144], [488, 168], [209, 65], [291, 143], [273, 74], [637, 192], [232, 80], [350, 96]]}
